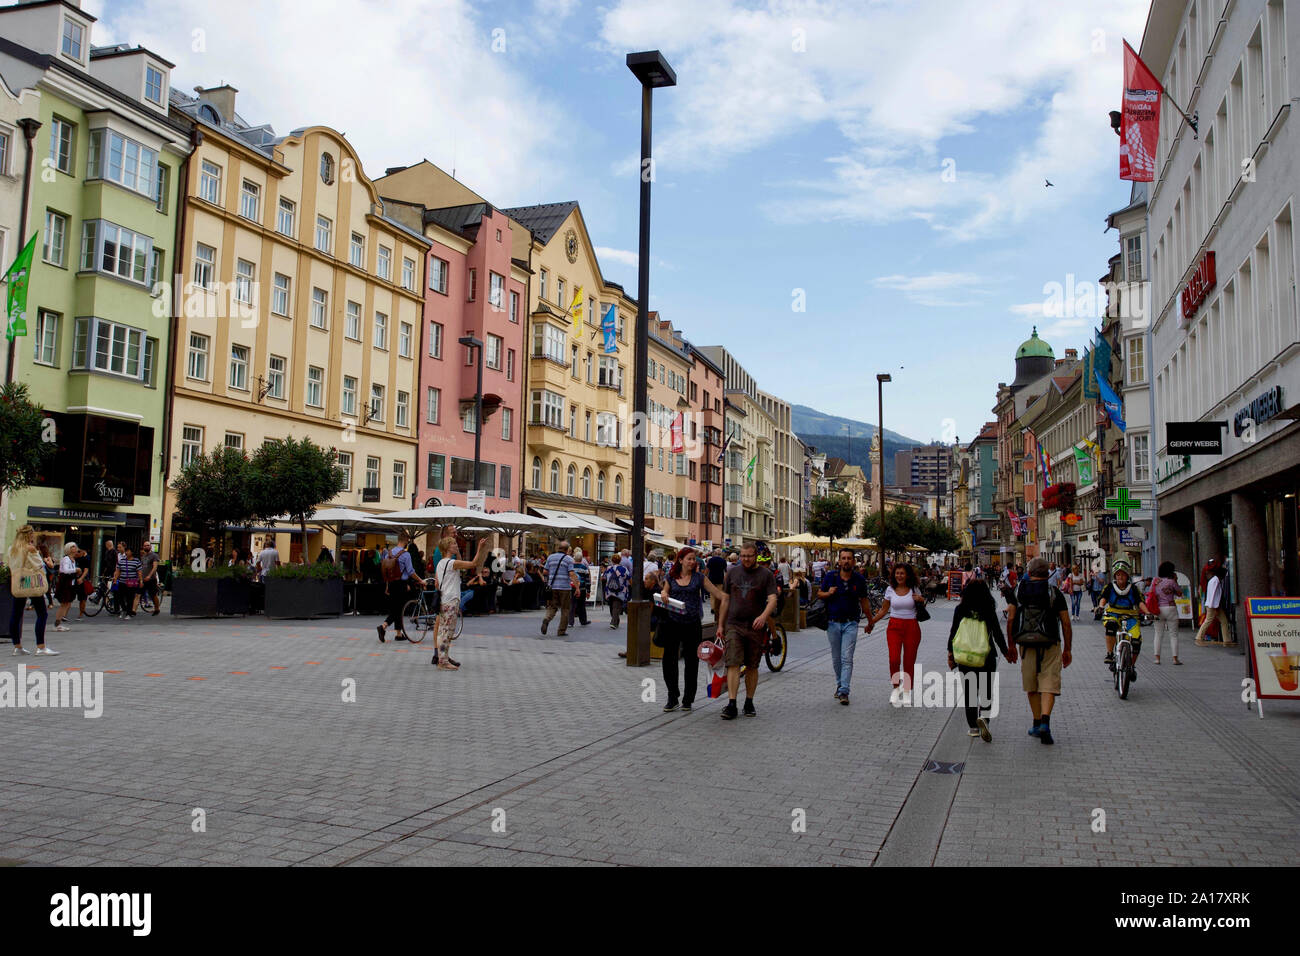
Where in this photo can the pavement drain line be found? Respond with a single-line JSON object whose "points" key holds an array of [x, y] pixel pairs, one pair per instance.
{"points": [[1256, 759], [917, 831], [609, 741]]}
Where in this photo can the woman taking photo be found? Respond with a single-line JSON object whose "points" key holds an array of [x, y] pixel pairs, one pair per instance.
{"points": [[64, 592], [25, 570], [1167, 591], [977, 605], [679, 629], [902, 600]]}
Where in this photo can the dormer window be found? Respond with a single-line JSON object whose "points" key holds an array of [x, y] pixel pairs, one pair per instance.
{"points": [[327, 169], [209, 115], [153, 84], [73, 34]]}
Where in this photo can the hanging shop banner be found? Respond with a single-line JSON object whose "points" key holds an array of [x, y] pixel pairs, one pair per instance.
{"points": [[1274, 627], [607, 327], [1141, 120]]}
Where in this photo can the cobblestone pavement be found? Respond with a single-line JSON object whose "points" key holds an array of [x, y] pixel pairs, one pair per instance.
{"points": [[551, 740]]}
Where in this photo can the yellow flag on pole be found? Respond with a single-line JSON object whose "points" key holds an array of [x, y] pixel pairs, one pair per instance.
{"points": [[575, 310]]}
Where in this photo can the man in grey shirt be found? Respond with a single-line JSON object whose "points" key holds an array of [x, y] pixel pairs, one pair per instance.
{"points": [[149, 574], [267, 559]]}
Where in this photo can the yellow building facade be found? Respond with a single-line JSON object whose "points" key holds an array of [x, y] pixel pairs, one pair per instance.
{"points": [[299, 311], [578, 399], [671, 477]]}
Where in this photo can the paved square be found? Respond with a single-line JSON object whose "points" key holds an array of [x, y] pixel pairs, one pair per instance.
{"points": [[243, 725]]}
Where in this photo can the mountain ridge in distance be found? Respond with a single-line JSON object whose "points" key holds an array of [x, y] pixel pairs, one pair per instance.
{"points": [[805, 420]]}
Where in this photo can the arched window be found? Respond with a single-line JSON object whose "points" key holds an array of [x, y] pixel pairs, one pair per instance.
{"points": [[569, 480], [555, 476], [600, 486], [586, 483], [537, 474], [326, 169], [618, 489]]}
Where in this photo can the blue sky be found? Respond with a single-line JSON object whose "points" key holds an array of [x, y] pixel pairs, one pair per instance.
{"points": [[804, 148]]}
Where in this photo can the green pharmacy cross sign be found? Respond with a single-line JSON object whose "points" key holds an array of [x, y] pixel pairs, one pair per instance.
{"points": [[1123, 504]]}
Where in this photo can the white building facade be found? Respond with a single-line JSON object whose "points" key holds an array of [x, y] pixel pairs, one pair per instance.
{"points": [[1226, 328]]}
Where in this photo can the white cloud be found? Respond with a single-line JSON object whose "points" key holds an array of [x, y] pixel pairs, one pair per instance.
{"points": [[623, 256], [404, 80], [924, 289], [744, 84]]}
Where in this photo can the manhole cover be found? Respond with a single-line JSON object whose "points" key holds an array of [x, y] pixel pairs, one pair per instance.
{"points": [[942, 766]]}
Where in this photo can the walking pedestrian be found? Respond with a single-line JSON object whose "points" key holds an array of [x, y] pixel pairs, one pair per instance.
{"points": [[127, 579], [902, 600], [1038, 620], [66, 583], [1097, 585], [749, 599], [1077, 583], [679, 629], [578, 606], [1213, 610], [1065, 584], [27, 583], [108, 560], [1166, 589], [82, 584], [149, 575], [974, 626], [559, 576], [447, 579], [398, 574], [845, 592], [617, 583], [716, 567]]}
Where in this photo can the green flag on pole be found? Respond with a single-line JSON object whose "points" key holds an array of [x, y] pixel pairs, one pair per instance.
{"points": [[749, 471], [1083, 462], [16, 298]]}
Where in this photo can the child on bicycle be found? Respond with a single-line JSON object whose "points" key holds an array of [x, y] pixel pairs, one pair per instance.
{"points": [[1120, 598]]}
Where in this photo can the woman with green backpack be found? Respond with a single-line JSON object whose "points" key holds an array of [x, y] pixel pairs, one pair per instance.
{"points": [[975, 629]]}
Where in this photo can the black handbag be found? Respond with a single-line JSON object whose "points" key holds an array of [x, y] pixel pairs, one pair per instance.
{"points": [[922, 612]]}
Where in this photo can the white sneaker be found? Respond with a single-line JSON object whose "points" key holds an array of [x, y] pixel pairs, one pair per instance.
{"points": [[905, 698], [19, 649], [60, 627], [47, 651], [972, 732], [894, 696]]}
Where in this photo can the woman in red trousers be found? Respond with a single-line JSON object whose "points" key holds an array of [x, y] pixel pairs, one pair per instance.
{"points": [[902, 599]]}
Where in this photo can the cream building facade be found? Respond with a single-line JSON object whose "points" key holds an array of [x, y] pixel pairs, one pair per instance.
{"points": [[671, 476], [578, 400], [300, 309], [787, 468]]}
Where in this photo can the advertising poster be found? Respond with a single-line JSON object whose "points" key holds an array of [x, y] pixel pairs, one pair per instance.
{"points": [[1274, 626]]}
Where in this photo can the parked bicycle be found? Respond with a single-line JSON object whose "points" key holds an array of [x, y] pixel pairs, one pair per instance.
{"points": [[102, 597]]}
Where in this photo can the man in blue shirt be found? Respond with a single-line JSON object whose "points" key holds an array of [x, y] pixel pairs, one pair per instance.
{"points": [[578, 606], [399, 574], [558, 575], [845, 592]]}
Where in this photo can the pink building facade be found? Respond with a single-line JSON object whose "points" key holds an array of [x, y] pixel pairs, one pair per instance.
{"points": [[472, 288]]}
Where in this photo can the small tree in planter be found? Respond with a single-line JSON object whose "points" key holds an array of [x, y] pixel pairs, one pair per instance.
{"points": [[831, 516], [304, 590], [213, 490], [23, 448], [292, 477]]}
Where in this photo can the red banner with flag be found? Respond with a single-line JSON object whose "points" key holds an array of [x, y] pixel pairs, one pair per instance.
{"points": [[1140, 127], [676, 432]]}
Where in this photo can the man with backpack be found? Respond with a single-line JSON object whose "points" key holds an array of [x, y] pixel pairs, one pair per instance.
{"points": [[1038, 620], [397, 572]]}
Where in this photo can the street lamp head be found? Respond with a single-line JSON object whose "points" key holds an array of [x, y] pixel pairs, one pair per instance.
{"points": [[651, 69], [884, 377], [1116, 121]]}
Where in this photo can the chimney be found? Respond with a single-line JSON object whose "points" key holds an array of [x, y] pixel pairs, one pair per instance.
{"points": [[222, 97]]}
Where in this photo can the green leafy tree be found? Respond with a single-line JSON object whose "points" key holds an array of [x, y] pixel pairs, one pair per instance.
{"points": [[216, 489], [23, 449], [293, 478], [937, 536], [831, 516], [902, 528]]}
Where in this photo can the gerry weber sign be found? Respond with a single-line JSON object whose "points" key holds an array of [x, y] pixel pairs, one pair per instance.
{"points": [[1198, 286], [1265, 407]]}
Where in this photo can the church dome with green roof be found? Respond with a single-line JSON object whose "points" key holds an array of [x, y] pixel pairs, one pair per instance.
{"points": [[1034, 359], [1035, 347]]}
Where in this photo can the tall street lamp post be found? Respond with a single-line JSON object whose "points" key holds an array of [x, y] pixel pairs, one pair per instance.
{"points": [[470, 341], [653, 71], [881, 379]]}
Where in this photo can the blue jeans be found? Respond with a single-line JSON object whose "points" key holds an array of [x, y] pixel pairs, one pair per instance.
{"points": [[1075, 598], [465, 597], [843, 637]]}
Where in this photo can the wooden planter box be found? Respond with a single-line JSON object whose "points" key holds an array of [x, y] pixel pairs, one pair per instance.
{"points": [[287, 597], [209, 597]]}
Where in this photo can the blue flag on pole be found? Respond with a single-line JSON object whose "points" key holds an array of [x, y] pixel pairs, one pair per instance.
{"points": [[1108, 398], [607, 326]]}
